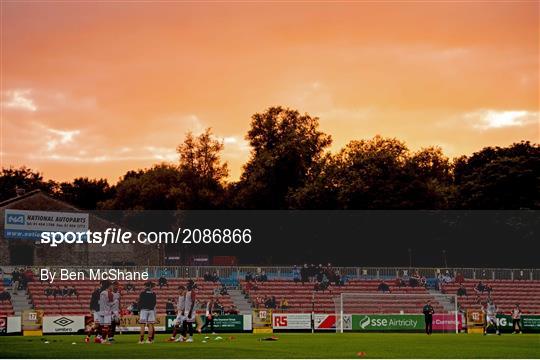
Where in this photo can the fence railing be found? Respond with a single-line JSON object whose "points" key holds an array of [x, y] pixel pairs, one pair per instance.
{"points": [[285, 272]]}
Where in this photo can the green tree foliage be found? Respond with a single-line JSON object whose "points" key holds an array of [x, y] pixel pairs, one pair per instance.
{"points": [[289, 168], [380, 173], [85, 193], [499, 178], [149, 189], [22, 178], [285, 148], [202, 173], [197, 182]]}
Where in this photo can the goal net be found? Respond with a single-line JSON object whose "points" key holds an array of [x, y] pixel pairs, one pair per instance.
{"points": [[398, 312]]}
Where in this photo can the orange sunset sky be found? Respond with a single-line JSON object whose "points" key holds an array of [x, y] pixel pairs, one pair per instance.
{"points": [[95, 89]]}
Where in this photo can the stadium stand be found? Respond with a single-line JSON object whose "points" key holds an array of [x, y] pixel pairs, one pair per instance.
{"points": [[505, 294], [302, 298], [79, 304]]}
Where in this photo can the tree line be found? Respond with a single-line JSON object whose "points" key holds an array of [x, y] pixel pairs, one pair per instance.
{"points": [[290, 167]]}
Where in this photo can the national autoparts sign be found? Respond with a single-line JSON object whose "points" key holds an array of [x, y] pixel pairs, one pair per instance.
{"points": [[387, 322]]}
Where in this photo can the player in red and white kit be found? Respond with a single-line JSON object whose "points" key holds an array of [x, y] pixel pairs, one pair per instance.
{"points": [[516, 320], [106, 300], [115, 310], [189, 311]]}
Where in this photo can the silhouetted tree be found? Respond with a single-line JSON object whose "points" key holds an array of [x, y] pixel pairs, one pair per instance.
{"points": [[22, 178], [85, 193], [202, 173], [285, 147], [499, 178], [150, 189]]}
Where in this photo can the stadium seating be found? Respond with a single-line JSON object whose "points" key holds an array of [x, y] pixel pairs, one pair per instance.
{"points": [[6, 308], [505, 294], [303, 298], [79, 305]]}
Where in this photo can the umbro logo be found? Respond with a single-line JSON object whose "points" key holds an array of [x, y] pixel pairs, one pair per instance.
{"points": [[63, 321]]}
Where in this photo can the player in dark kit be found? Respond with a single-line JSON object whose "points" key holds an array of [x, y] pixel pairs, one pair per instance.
{"points": [[428, 316], [147, 314]]}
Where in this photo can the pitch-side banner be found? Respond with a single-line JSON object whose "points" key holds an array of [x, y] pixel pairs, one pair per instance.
{"points": [[446, 322], [63, 324], [131, 323], [528, 322], [221, 323], [287, 321], [384, 322], [14, 324], [328, 322], [25, 224]]}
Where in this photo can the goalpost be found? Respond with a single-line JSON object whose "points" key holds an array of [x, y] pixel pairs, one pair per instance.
{"points": [[376, 311]]}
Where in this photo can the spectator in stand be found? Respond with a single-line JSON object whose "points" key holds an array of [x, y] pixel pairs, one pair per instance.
{"points": [[461, 291], [49, 291], [304, 274], [273, 302], [130, 287], [263, 277], [57, 291], [447, 278], [423, 282], [319, 275], [215, 277], [336, 278], [4, 296], [258, 302], [406, 278], [488, 289], [233, 310], [414, 281], [65, 291], [383, 287], [284, 304], [134, 308], [170, 309], [162, 281], [270, 302], [15, 280], [480, 288], [27, 276], [296, 274], [72, 291], [460, 279], [249, 276], [223, 291], [399, 282], [206, 276]]}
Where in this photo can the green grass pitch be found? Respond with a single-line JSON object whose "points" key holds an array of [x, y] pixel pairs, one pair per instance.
{"points": [[289, 345]]}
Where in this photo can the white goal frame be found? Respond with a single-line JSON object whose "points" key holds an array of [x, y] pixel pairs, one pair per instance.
{"points": [[372, 294]]}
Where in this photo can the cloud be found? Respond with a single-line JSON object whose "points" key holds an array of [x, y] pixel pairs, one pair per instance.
{"points": [[19, 99], [493, 119], [162, 153], [60, 137]]}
